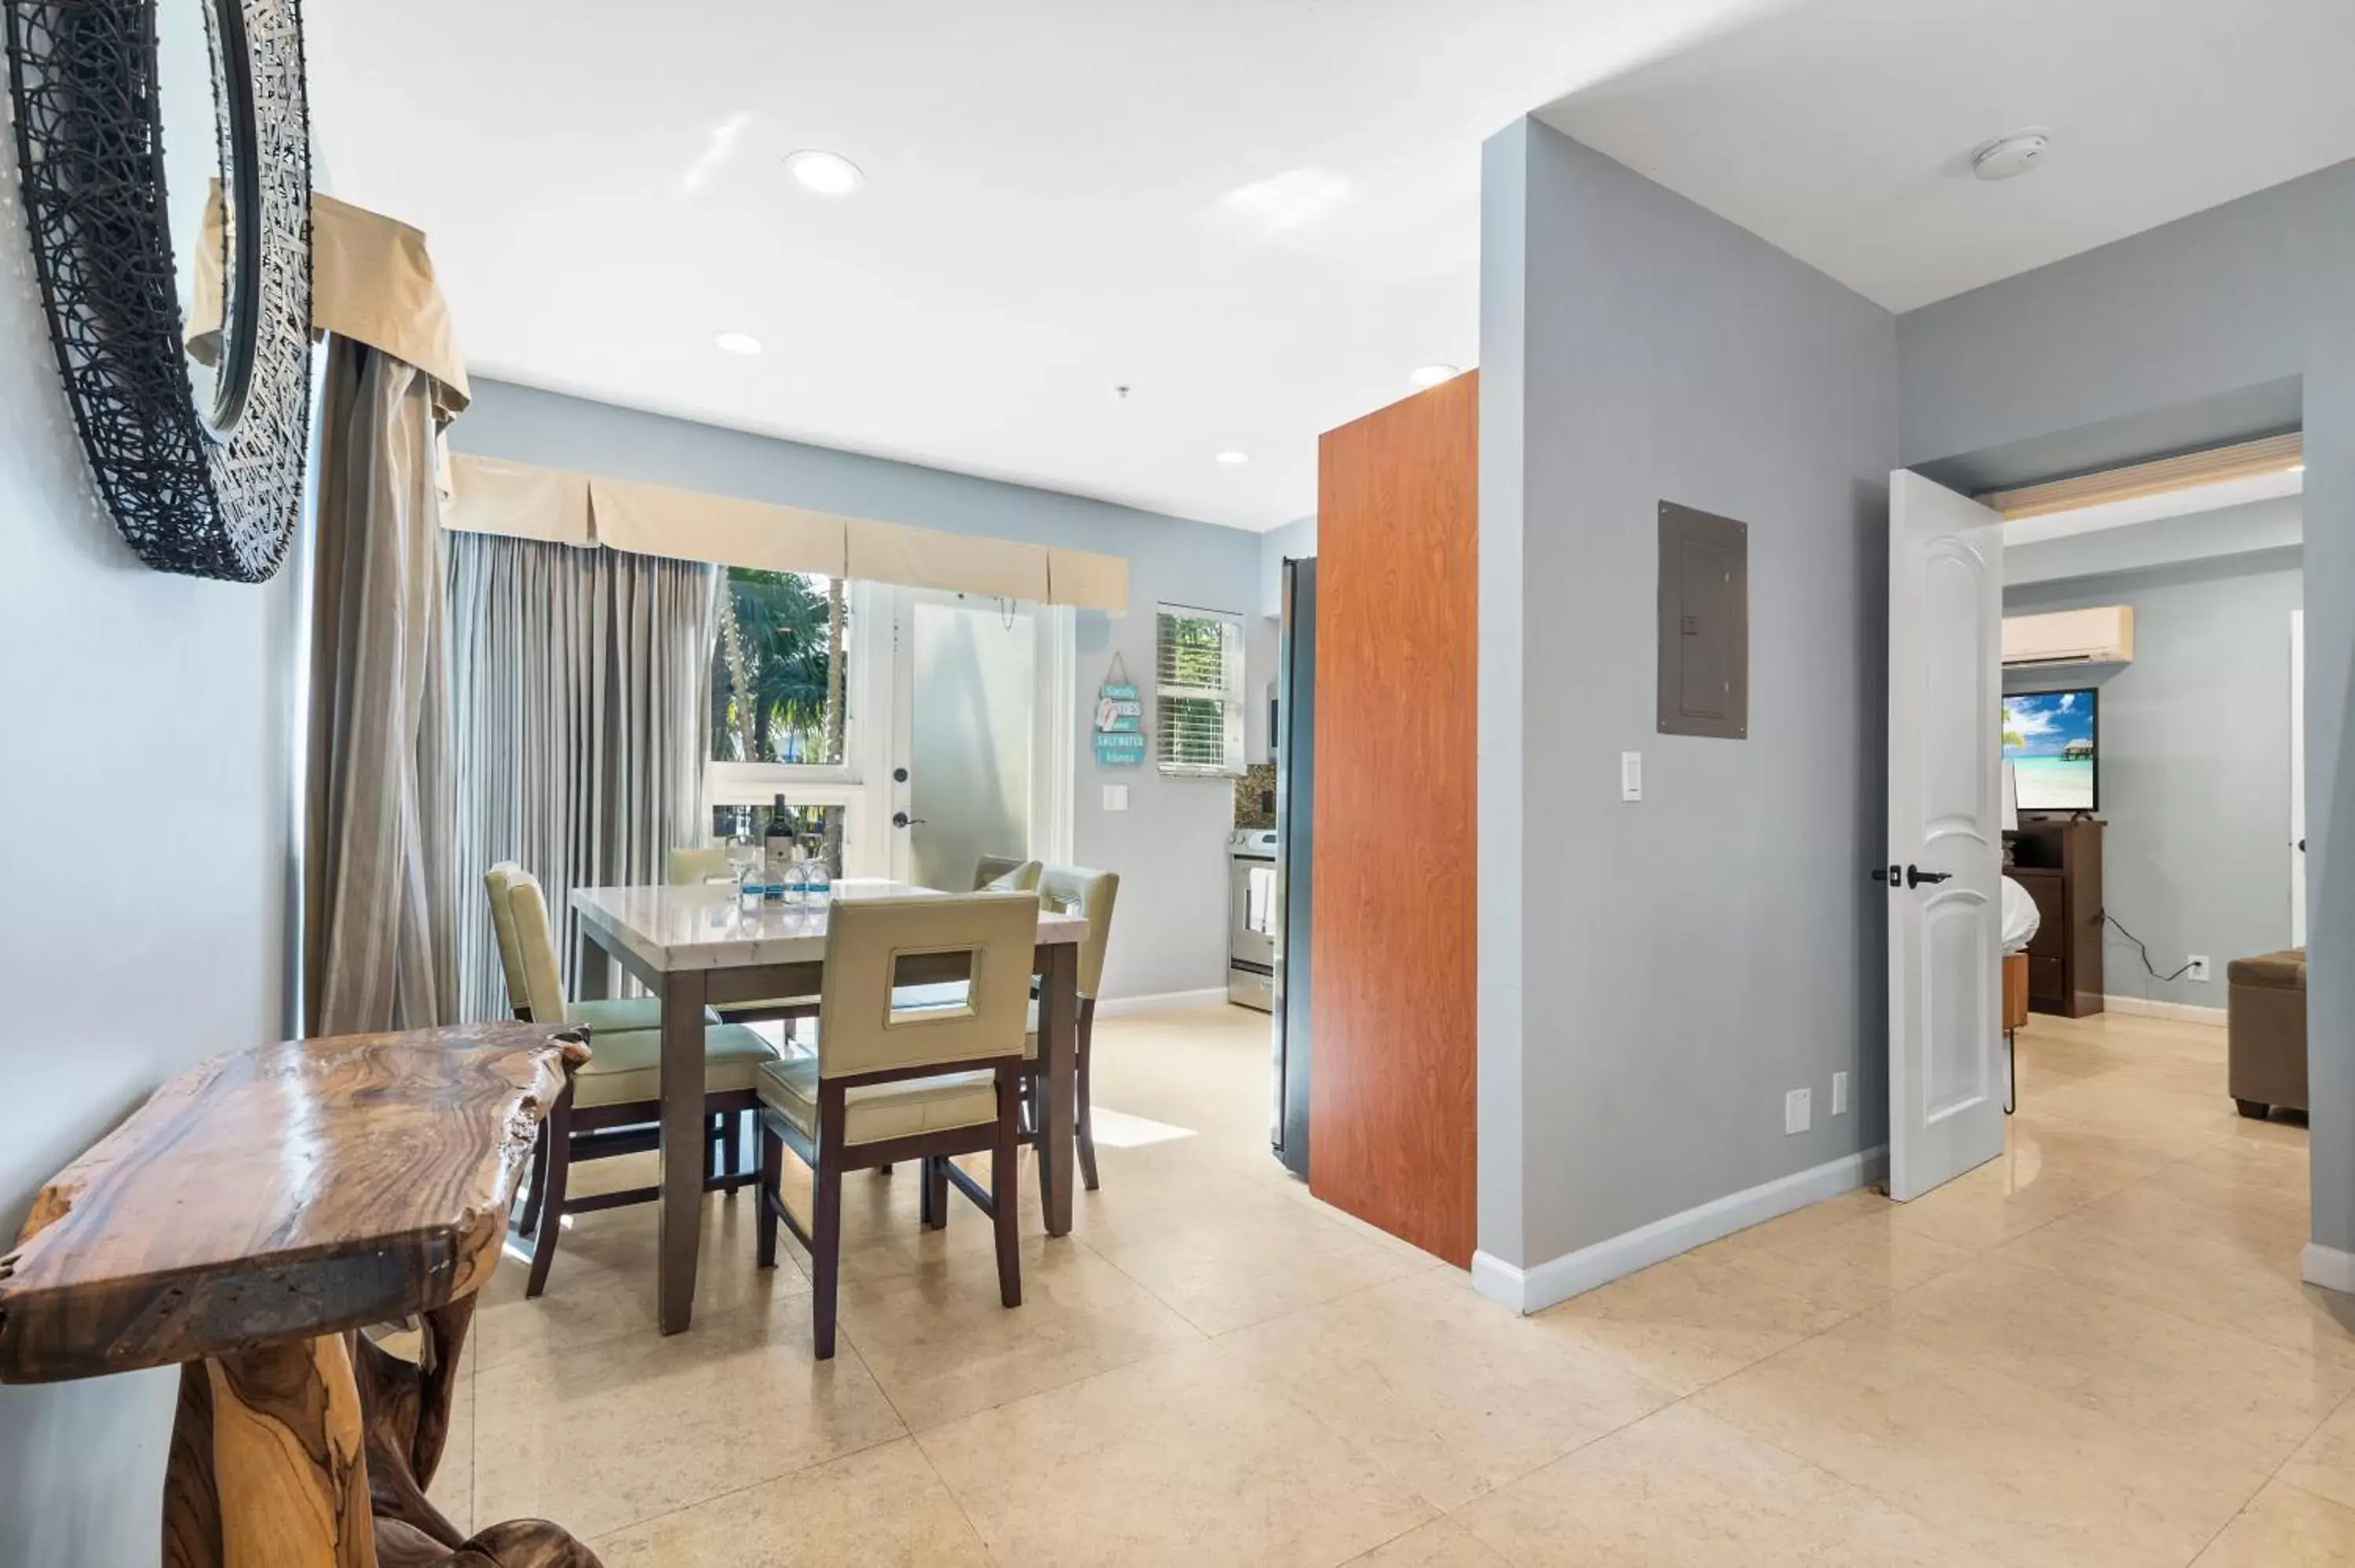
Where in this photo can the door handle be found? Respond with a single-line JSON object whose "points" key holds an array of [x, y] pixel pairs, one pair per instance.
{"points": [[1915, 876], [901, 820]]}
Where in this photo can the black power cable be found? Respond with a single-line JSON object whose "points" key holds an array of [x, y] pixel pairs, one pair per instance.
{"points": [[2110, 919]]}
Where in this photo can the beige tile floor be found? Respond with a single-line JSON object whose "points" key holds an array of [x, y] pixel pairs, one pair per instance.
{"points": [[2094, 1350]]}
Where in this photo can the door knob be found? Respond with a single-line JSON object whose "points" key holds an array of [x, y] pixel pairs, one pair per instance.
{"points": [[901, 820], [1915, 876]]}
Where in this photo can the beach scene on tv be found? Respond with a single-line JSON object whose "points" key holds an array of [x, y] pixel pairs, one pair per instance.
{"points": [[2048, 738]]}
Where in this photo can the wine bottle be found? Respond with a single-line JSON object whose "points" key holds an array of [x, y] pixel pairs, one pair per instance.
{"points": [[777, 848]]}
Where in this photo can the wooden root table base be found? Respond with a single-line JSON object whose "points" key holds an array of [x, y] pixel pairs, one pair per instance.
{"points": [[246, 1223]]}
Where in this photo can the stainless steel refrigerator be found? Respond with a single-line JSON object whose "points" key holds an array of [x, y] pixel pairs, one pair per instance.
{"points": [[1292, 728]]}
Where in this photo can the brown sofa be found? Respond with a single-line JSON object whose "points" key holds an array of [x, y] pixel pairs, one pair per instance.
{"points": [[2265, 1013]]}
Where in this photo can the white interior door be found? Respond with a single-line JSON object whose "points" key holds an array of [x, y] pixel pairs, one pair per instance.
{"points": [[1945, 837], [2297, 779]]}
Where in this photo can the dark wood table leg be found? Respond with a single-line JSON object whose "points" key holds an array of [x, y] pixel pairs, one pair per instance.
{"points": [[683, 1158], [1058, 1013], [593, 972]]}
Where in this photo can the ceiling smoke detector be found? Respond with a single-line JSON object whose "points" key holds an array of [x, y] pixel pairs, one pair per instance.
{"points": [[2012, 154]]}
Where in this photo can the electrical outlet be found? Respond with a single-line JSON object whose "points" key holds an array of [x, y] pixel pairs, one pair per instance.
{"points": [[2196, 967], [1797, 1110], [1116, 797], [1839, 1094]]}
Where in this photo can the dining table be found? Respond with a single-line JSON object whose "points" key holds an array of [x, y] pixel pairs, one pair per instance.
{"points": [[698, 946]]}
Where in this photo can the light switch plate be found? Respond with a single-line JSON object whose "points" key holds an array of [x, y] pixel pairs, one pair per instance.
{"points": [[1631, 776], [1116, 797], [1839, 1094], [1798, 1110]]}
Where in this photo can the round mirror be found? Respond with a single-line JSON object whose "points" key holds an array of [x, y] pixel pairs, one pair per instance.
{"points": [[205, 108], [163, 178]]}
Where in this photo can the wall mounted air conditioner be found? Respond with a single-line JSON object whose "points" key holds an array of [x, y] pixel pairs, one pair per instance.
{"points": [[2100, 636]]}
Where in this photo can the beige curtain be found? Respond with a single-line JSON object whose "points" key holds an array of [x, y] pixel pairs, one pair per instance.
{"points": [[582, 694], [376, 878]]}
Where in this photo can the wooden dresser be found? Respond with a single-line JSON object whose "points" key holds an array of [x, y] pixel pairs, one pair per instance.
{"points": [[2059, 862]]}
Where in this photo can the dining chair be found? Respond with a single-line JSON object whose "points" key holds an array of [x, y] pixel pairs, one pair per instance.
{"points": [[615, 1013], [609, 1015], [696, 865], [612, 1104], [996, 871], [1091, 895], [891, 1081]]}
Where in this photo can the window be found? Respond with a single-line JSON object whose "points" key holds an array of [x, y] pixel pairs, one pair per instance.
{"points": [[780, 690], [784, 708], [1199, 705]]}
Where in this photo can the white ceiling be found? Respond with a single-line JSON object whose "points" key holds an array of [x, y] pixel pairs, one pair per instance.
{"points": [[1260, 215], [1841, 130]]}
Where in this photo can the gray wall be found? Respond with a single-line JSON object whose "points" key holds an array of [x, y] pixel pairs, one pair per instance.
{"points": [[1690, 958], [1506, 160], [144, 790], [2241, 295], [1169, 845], [2195, 764]]}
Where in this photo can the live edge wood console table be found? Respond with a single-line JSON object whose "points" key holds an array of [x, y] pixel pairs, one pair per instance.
{"points": [[244, 1224]]}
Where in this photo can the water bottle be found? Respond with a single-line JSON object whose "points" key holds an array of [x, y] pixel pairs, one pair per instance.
{"points": [[817, 883]]}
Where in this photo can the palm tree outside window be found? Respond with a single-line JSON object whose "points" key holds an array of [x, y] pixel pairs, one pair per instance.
{"points": [[780, 689]]}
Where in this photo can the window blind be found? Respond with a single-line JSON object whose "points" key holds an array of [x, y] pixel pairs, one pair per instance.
{"points": [[1199, 685]]}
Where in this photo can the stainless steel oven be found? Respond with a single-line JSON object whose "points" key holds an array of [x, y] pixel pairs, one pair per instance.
{"points": [[1251, 916]]}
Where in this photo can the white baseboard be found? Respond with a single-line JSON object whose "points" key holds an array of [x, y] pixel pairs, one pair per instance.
{"points": [[2182, 1012], [1166, 1002], [2328, 1267], [1574, 1274]]}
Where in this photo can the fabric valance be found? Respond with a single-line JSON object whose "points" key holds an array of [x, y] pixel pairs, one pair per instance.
{"points": [[371, 280], [1084, 579], [959, 563], [491, 496], [656, 519]]}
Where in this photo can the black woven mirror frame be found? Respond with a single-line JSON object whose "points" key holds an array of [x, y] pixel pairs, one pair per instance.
{"points": [[90, 159]]}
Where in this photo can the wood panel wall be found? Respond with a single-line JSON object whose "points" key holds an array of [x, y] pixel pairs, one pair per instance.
{"points": [[1392, 1120]]}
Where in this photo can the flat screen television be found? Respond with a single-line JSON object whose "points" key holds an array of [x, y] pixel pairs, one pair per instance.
{"points": [[2052, 740]]}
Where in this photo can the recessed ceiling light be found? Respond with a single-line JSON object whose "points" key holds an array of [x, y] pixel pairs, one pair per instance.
{"points": [[1433, 374], [735, 343], [2013, 154], [828, 174], [1233, 459]]}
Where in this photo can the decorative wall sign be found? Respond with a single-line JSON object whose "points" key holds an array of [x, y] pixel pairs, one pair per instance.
{"points": [[197, 442], [1120, 720]]}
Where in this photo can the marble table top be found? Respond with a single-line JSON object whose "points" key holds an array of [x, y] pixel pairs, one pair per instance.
{"points": [[688, 925]]}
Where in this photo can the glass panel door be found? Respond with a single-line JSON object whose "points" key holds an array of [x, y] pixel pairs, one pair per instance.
{"points": [[966, 771]]}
